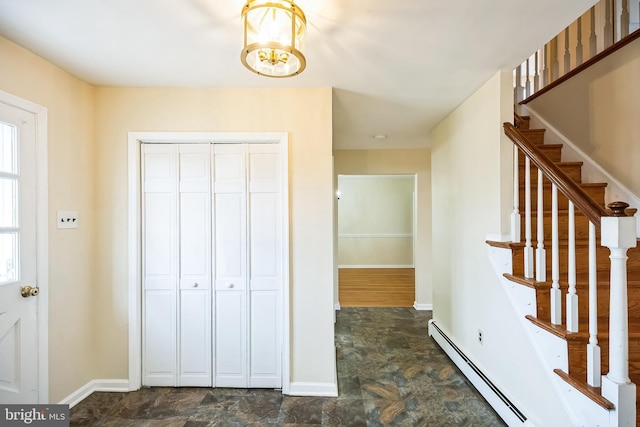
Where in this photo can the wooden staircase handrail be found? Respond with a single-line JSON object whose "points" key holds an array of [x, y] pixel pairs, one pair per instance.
{"points": [[592, 209]]}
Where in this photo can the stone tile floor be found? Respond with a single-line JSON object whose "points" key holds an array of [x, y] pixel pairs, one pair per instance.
{"points": [[390, 373]]}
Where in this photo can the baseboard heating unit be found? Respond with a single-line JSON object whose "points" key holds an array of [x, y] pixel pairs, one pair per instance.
{"points": [[498, 401]]}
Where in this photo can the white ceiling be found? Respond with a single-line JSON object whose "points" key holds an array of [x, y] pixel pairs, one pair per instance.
{"points": [[397, 66]]}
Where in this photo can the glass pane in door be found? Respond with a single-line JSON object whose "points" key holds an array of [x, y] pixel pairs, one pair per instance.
{"points": [[8, 148], [9, 231], [8, 257], [8, 202]]}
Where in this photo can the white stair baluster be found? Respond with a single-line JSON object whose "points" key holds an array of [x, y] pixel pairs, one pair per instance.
{"points": [[556, 295], [593, 349], [555, 64], [593, 39], [528, 249], [518, 90], [515, 215], [545, 67], [608, 24], [536, 78], [624, 19], [527, 84], [567, 53], [541, 257], [579, 46], [572, 296]]}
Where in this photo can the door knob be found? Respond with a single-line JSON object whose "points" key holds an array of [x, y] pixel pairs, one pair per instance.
{"points": [[29, 291]]}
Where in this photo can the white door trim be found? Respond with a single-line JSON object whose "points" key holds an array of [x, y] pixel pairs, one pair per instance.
{"points": [[135, 233], [42, 236]]}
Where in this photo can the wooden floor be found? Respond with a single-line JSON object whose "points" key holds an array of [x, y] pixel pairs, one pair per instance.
{"points": [[376, 287]]}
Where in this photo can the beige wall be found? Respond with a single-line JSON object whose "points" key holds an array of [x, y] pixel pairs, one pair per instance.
{"points": [[471, 169], [87, 134], [375, 220], [306, 115], [598, 111], [416, 161], [71, 164]]}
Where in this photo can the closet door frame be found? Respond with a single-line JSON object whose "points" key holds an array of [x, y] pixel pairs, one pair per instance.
{"points": [[135, 141]]}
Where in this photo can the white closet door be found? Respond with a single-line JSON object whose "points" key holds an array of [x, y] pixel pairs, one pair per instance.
{"points": [[265, 266], [160, 264], [195, 265], [212, 259], [230, 268]]}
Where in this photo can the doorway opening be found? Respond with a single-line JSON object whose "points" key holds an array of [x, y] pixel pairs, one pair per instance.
{"points": [[376, 240]]}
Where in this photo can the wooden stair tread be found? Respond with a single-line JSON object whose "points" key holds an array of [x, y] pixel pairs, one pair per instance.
{"points": [[603, 334], [533, 283], [581, 184], [564, 212], [557, 163], [592, 393], [520, 245], [503, 245]]}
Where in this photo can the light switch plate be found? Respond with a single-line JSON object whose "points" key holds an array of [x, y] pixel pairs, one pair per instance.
{"points": [[67, 219]]}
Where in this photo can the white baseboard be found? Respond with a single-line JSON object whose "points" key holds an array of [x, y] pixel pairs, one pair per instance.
{"points": [[313, 389], [421, 307], [498, 400], [94, 385], [336, 306], [376, 266]]}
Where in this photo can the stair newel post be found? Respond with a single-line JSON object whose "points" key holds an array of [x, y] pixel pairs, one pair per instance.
{"points": [[572, 296], [515, 215], [541, 257], [528, 248], [618, 233], [579, 45], [556, 295], [593, 39], [593, 349]]}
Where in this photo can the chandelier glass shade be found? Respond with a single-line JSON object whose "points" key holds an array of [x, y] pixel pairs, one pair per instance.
{"points": [[274, 33]]}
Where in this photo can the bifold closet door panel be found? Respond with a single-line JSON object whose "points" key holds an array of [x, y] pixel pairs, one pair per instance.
{"points": [[195, 265], [159, 265], [159, 338], [230, 265], [231, 339], [195, 339], [265, 267]]}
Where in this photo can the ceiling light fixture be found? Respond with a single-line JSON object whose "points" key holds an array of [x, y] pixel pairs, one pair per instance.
{"points": [[274, 33], [380, 136]]}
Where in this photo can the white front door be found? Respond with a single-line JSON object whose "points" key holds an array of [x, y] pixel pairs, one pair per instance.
{"points": [[18, 313]]}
